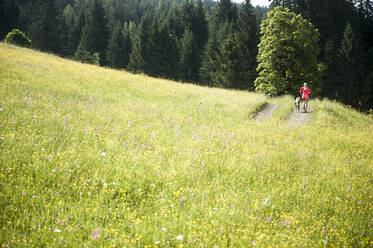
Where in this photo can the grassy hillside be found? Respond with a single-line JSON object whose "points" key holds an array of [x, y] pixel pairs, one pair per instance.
{"points": [[97, 157]]}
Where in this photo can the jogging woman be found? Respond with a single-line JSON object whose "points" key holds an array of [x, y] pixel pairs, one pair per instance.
{"points": [[305, 92]]}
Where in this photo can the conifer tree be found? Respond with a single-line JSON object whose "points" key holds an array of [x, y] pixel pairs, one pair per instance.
{"points": [[119, 47], [73, 22], [94, 37], [141, 42], [163, 53], [350, 67], [9, 16], [221, 27], [209, 58], [45, 26], [231, 67], [226, 11], [189, 61], [247, 42], [200, 26]]}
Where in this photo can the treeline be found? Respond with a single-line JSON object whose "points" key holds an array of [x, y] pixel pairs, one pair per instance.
{"points": [[346, 47], [204, 42]]}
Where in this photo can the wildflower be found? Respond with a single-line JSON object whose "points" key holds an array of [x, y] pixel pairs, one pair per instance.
{"points": [[24, 193], [95, 233], [1, 109], [57, 230], [2, 138], [180, 237], [164, 229], [157, 242], [103, 154]]}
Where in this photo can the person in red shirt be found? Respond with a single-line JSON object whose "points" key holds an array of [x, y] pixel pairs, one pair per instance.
{"points": [[305, 93]]}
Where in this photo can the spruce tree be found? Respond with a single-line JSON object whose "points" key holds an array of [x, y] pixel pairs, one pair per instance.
{"points": [[94, 37], [231, 68], [247, 42], [73, 22], [224, 16], [200, 26], [45, 26], [9, 16], [209, 58], [190, 55], [117, 55], [350, 67], [226, 11], [141, 42], [162, 57]]}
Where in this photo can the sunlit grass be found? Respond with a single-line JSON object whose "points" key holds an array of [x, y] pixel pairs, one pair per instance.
{"points": [[96, 157]]}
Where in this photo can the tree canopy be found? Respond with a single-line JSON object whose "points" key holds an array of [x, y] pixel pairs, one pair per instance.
{"points": [[288, 53], [213, 43]]}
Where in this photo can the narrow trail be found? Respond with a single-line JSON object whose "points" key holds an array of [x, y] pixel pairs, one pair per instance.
{"points": [[300, 118], [266, 112]]}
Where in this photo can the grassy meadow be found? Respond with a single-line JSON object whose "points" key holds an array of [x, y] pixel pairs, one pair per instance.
{"points": [[94, 157]]}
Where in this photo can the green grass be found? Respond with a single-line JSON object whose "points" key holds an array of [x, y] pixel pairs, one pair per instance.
{"points": [[102, 158]]}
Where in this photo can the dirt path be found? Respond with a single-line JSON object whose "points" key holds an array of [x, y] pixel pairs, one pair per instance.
{"points": [[266, 112], [299, 117]]}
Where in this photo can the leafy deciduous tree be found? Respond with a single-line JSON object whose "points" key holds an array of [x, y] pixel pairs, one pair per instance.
{"points": [[288, 53]]}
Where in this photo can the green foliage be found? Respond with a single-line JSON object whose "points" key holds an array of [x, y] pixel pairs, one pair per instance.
{"points": [[119, 48], [94, 37], [141, 42], [87, 57], [59, 26], [163, 56], [288, 53], [226, 12], [45, 26], [248, 40], [9, 17], [17, 37], [231, 71], [72, 22], [209, 62], [190, 55]]}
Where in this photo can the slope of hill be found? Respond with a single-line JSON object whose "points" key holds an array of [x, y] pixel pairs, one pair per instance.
{"points": [[97, 157]]}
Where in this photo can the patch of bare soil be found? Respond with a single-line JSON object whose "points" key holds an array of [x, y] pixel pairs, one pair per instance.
{"points": [[299, 117], [265, 112]]}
